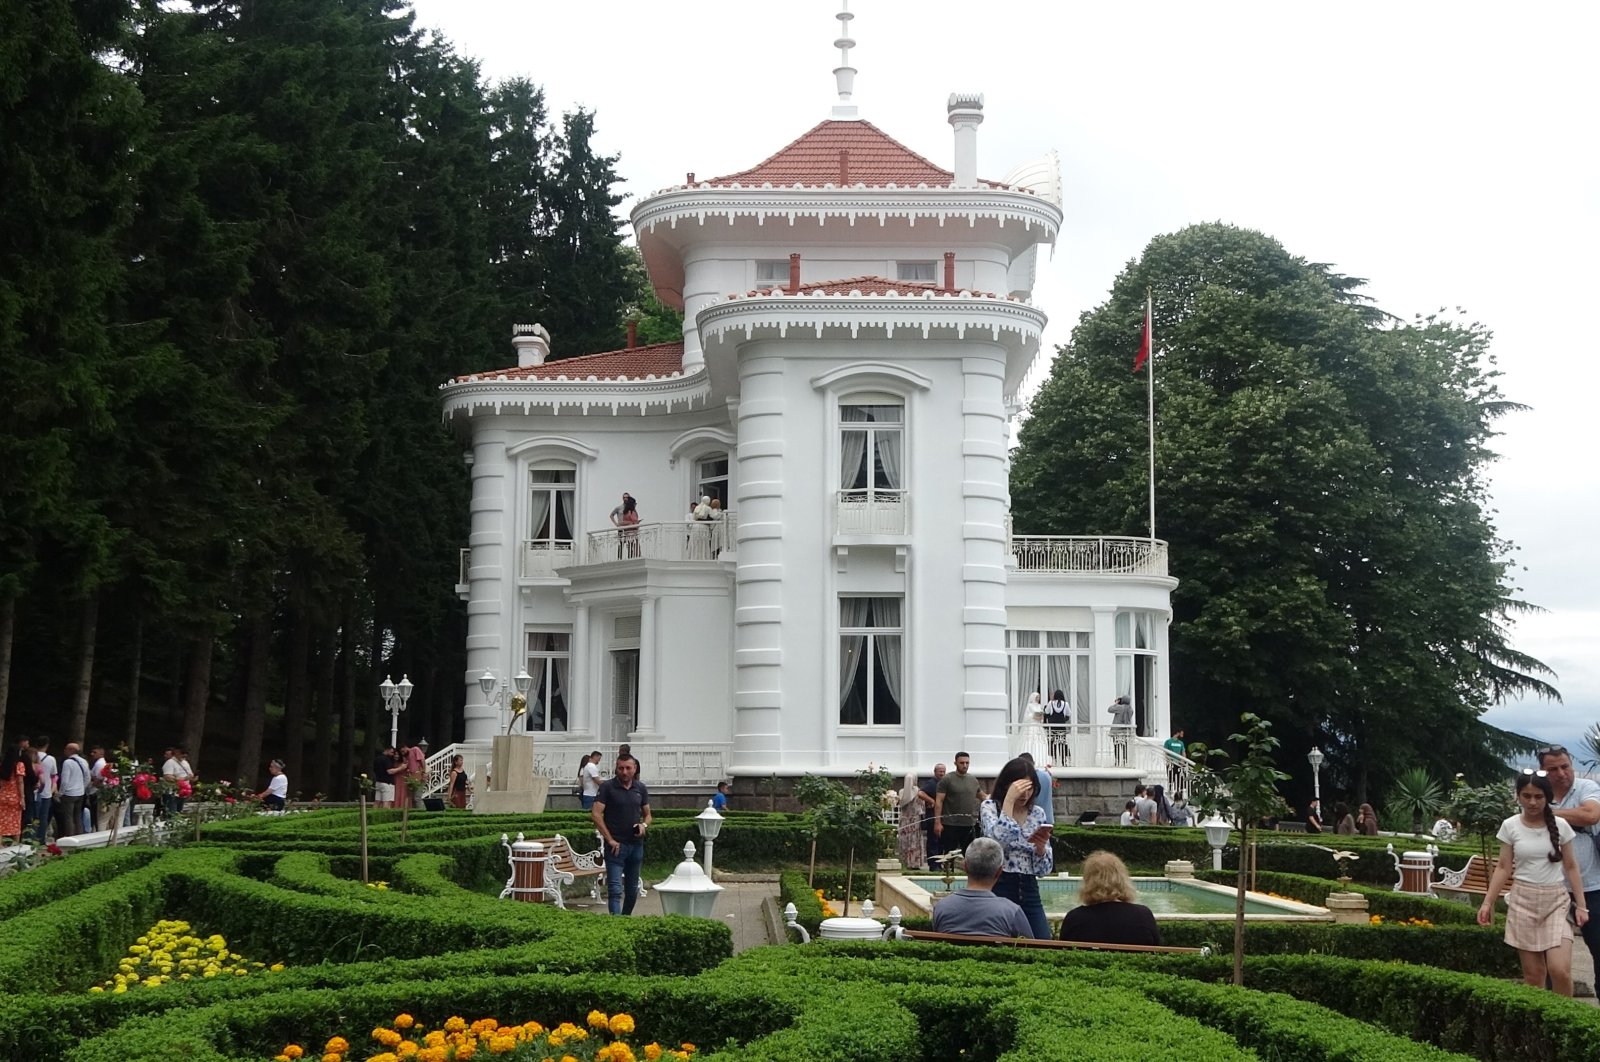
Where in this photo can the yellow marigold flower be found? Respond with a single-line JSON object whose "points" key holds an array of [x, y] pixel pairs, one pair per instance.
{"points": [[598, 1019], [689, 1048], [621, 1024], [386, 1037], [502, 1045], [465, 1051], [332, 1057], [652, 1052], [455, 1023], [276, 967], [385, 1057], [621, 1052], [280, 1058], [568, 1058], [404, 1021], [337, 1045], [294, 1051]]}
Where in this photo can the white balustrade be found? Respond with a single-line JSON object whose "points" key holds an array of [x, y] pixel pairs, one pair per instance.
{"points": [[669, 540], [541, 557], [1100, 555], [874, 512]]}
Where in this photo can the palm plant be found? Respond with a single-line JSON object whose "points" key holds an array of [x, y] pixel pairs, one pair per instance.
{"points": [[1415, 792], [1591, 746]]}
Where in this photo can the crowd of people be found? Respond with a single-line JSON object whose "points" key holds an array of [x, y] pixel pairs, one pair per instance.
{"points": [[44, 797]]}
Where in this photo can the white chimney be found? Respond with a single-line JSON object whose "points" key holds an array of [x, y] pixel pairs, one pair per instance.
{"points": [[532, 343], [966, 114]]}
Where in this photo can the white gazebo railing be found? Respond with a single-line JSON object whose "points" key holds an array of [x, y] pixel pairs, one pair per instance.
{"points": [[1094, 746], [670, 540], [1101, 555], [871, 512], [660, 763]]}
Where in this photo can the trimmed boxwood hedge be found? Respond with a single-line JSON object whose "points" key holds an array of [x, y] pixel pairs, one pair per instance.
{"points": [[432, 946], [1386, 902]]}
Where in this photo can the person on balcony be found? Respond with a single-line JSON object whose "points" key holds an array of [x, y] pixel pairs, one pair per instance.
{"points": [[1121, 712], [626, 517], [1032, 731], [1056, 717]]}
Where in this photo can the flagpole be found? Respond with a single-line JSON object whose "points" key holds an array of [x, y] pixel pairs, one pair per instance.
{"points": [[1150, 393]]}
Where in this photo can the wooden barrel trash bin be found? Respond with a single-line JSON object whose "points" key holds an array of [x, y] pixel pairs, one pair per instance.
{"points": [[1416, 872], [528, 860]]}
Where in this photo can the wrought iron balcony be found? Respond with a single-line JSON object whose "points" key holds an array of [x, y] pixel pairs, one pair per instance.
{"points": [[1102, 555]]}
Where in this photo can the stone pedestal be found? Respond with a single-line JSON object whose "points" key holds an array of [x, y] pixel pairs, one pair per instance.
{"points": [[1349, 908], [1180, 868], [513, 787]]}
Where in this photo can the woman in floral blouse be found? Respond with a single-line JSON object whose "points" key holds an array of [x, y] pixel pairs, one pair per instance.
{"points": [[1013, 816]]}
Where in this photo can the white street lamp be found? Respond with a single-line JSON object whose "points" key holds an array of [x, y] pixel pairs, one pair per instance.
{"points": [[496, 690], [710, 824], [1217, 829], [394, 699], [1315, 758], [690, 890]]}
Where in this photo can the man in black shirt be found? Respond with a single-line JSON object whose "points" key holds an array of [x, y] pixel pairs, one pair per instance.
{"points": [[621, 815]]}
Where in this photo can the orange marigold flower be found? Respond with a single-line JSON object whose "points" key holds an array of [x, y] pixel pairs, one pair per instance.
{"points": [[621, 1024], [652, 1052], [332, 1056], [293, 1051], [502, 1045], [337, 1045], [386, 1037], [465, 1051], [455, 1023], [598, 1019], [404, 1021]]}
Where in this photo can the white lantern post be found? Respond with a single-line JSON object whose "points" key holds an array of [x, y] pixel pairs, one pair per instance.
{"points": [[710, 824], [1315, 758], [1217, 829], [394, 699]]}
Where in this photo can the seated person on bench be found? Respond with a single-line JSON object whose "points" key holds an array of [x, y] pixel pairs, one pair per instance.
{"points": [[1108, 914], [976, 909]]}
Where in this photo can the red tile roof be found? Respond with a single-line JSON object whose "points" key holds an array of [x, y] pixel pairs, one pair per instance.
{"points": [[868, 285], [656, 359], [874, 159]]}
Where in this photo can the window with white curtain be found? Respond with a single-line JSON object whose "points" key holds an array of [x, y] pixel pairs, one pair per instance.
{"points": [[552, 501], [549, 663], [871, 666], [1045, 662], [711, 478], [870, 447], [1136, 656], [772, 272], [921, 272]]}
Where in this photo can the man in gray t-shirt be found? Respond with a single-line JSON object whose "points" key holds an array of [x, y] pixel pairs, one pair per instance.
{"points": [[1578, 801], [955, 806], [976, 909]]}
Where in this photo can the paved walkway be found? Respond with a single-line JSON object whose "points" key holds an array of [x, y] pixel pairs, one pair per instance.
{"points": [[739, 905]]}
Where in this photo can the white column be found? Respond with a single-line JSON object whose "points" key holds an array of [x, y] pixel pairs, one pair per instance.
{"points": [[1103, 687], [582, 712], [758, 579], [649, 669], [986, 499], [491, 599]]}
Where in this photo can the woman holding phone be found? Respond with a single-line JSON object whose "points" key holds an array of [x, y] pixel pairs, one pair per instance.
{"points": [[1012, 815]]}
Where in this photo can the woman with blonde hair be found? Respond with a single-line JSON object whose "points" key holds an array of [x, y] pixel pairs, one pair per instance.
{"points": [[1107, 913]]}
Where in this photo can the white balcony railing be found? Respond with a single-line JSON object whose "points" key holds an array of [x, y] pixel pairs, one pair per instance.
{"points": [[671, 540], [1102, 555], [871, 512], [541, 557], [1097, 746]]}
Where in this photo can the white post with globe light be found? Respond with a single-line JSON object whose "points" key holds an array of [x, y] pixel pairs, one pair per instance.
{"points": [[394, 699], [1315, 758]]}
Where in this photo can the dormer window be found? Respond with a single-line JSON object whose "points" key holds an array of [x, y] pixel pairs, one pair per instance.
{"points": [[918, 272], [772, 273]]}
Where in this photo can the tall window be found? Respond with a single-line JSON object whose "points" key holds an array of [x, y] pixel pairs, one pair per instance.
{"points": [[552, 496], [711, 478], [549, 662], [1136, 658], [870, 661], [870, 437], [1043, 662]]}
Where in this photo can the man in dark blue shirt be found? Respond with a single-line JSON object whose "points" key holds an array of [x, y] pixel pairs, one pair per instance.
{"points": [[622, 815]]}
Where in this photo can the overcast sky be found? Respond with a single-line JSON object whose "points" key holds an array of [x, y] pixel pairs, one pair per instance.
{"points": [[1444, 151]]}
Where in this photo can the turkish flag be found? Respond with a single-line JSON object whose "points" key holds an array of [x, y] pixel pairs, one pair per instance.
{"points": [[1144, 344]]}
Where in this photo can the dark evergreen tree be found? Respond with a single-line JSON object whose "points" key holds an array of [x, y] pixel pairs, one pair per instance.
{"points": [[1320, 480]]}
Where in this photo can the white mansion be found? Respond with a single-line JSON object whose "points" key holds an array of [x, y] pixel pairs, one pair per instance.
{"points": [[856, 330]]}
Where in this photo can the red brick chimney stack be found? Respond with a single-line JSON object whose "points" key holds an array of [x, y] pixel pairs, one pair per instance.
{"points": [[794, 273], [949, 271]]}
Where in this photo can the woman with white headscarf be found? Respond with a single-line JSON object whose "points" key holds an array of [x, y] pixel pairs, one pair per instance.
{"points": [[1033, 739], [910, 842]]}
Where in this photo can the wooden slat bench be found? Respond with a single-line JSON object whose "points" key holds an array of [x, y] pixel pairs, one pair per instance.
{"points": [[1029, 942], [564, 866], [1472, 879]]}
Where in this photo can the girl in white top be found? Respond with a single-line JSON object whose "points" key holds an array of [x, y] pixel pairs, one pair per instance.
{"points": [[1538, 845], [276, 794]]}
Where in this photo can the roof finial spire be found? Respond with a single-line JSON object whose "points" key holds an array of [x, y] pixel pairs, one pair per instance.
{"points": [[844, 75]]}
